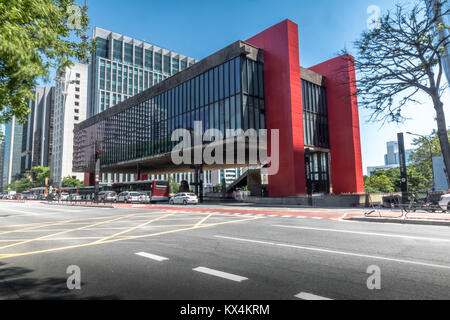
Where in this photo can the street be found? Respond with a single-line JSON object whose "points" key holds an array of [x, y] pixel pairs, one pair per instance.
{"points": [[194, 253]]}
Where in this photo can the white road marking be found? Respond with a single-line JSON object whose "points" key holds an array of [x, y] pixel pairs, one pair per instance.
{"points": [[273, 215], [317, 218], [285, 245], [151, 256], [287, 216], [309, 296], [220, 274], [301, 217], [366, 233]]}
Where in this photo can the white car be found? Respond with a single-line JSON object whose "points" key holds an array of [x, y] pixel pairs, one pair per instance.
{"points": [[64, 196], [444, 203], [75, 197], [128, 196], [184, 198]]}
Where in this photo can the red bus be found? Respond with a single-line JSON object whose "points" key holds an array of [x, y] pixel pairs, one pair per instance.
{"points": [[158, 190]]}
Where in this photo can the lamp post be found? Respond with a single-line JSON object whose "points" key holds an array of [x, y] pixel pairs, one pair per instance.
{"points": [[431, 154]]}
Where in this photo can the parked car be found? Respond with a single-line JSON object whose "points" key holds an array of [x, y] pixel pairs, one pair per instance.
{"points": [[444, 202], [64, 196], [27, 196], [128, 196], [184, 198], [145, 197], [108, 196], [75, 197]]}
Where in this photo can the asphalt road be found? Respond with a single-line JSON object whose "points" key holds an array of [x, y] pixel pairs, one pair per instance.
{"points": [[185, 254]]}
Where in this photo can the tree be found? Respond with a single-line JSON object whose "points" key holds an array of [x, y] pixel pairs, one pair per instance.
{"points": [[418, 179], [378, 183], [21, 185], [35, 37], [173, 185], [400, 59], [39, 175], [70, 182], [422, 148]]}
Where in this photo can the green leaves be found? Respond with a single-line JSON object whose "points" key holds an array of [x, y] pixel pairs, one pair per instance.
{"points": [[35, 38], [70, 182]]}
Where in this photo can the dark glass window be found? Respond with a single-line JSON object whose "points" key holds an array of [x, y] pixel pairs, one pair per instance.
{"points": [[166, 64], [101, 49], [175, 65], [183, 64], [158, 62], [315, 117], [118, 50], [128, 53], [138, 56], [148, 59]]}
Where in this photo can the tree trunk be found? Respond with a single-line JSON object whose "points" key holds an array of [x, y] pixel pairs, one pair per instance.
{"points": [[442, 134]]}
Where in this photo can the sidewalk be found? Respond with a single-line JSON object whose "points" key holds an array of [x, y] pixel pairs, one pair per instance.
{"points": [[424, 218]]}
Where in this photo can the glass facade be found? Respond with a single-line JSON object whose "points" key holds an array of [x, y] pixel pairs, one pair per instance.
{"points": [[227, 96], [316, 135], [315, 115], [128, 70]]}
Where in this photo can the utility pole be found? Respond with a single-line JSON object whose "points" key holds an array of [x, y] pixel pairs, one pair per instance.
{"points": [[403, 173]]}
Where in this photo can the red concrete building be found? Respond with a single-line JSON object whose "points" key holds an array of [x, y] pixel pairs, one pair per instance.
{"points": [[257, 83]]}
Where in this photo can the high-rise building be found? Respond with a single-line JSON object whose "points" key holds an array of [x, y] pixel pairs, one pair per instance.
{"points": [[13, 151], [391, 158], [37, 135], [122, 66], [70, 109]]}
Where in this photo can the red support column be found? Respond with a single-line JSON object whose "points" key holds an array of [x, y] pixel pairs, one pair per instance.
{"points": [[343, 122], [283, 98], [89, 179]]}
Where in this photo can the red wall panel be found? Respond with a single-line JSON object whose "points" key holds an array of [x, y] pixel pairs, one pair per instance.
{"points": [[343, 119], [283, 97], [89, 179]]}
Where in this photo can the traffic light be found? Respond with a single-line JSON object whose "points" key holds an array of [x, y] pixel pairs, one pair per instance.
{"points": [[97, 154]]}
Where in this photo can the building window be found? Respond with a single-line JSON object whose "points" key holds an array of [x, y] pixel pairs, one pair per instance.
{"points": [[138, 58], [77, 111], [78, 75], [77, 103], [101, 49], [77, 96], [117, 50], [76, 118], [158, 62], [128, 54], [148, 59], [175, 65], [77, 89], [167, 64]]}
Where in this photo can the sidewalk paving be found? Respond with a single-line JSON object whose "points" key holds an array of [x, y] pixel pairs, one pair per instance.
{"points": [[422, 217]]}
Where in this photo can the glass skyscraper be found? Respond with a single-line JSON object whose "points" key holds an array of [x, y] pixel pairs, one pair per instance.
{"points": [[122, 67]]}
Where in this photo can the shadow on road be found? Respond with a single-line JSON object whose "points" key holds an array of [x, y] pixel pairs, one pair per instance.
{"points": [[16, 283]]}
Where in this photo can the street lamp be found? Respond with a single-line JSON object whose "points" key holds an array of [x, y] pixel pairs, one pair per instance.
{"points": [[431, 154]]}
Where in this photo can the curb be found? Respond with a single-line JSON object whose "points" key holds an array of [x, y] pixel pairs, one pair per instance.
{"points": [[78, 205], [401, 221]]}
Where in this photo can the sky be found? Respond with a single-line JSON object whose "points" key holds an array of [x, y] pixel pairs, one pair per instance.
{"points": [[198, 28]]}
